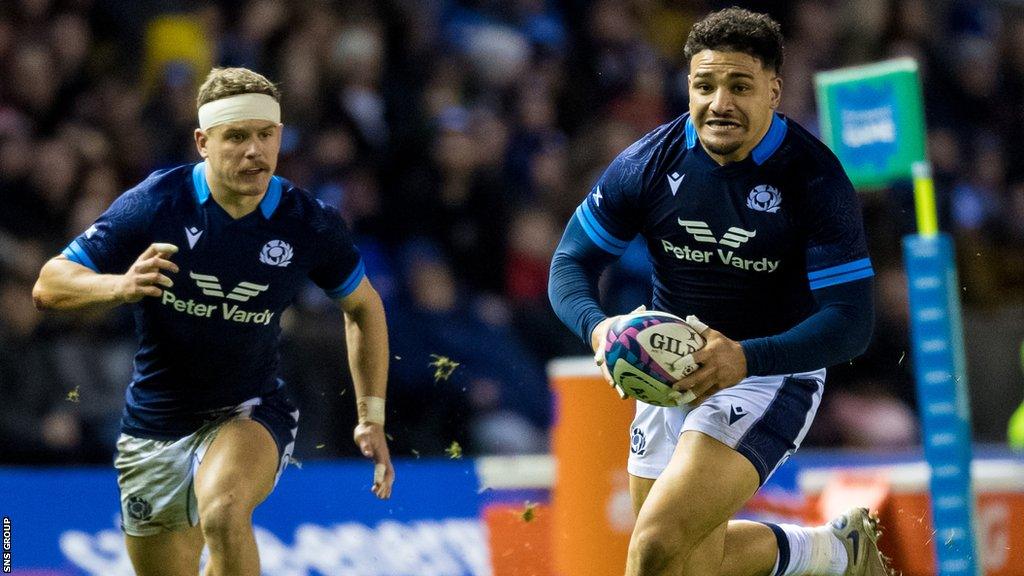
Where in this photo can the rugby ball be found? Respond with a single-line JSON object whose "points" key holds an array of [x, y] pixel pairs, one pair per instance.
{"points": [[647, 352]]}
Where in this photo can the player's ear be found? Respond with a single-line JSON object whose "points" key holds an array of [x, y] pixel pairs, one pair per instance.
{"points": [[201, 139], [775, 91]]}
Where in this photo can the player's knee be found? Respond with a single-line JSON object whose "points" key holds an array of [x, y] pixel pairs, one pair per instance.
{"points": [[649, 555], [224, 517]]}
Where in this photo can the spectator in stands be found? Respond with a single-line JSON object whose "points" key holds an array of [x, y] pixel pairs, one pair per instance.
{"points": [[470, 123], [499, 389]]}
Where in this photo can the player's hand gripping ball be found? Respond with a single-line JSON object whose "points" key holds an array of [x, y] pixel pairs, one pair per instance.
{"points": [[647, 352]]}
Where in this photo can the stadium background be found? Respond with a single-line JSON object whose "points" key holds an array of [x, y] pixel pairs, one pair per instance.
{"points": [[456, 137]]}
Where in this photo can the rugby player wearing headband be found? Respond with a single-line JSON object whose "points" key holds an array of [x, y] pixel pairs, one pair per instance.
{"points": [[210, 254]]}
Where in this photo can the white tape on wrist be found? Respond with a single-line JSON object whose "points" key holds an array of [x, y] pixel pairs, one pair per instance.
{"points": [[251, 106], [370, 409]]}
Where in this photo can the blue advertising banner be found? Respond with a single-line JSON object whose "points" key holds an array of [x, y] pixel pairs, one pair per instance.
{"points": [[321, 519]]}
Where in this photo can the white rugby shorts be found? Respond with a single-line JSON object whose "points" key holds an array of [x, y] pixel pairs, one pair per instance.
{"points": [[156, 477], [764, 418]]}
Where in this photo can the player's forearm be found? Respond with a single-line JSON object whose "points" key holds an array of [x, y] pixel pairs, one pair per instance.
{"points": [[572, 281], [65, 285], [366, 335], [573, 295], [838, 332]]}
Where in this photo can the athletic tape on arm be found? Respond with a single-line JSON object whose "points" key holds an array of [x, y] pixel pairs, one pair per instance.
{"points": [[370, 409]]}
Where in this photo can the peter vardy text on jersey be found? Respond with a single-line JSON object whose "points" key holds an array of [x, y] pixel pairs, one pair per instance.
{"points": [[727, 257], [230, 312]]}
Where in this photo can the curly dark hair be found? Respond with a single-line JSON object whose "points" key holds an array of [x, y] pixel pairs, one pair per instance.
{"points": [[738, 30]]}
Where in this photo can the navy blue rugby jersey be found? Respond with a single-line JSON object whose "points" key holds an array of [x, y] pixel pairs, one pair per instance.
{"points": [[211, 341], [742, 245]]}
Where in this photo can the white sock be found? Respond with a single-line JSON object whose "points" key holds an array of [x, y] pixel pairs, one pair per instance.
{"points": [[808, 551]]}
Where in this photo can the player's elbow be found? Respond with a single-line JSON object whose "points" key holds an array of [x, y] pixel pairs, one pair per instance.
{"points": [[859, 331], [363, 305], [851, 310], [39, 297], [42, 296], [47, 291]]}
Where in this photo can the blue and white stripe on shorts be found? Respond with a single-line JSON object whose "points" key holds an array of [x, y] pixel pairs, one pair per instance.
{"points": [[764, 418]]}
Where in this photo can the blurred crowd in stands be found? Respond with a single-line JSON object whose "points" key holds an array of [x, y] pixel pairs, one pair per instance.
{"points": [[456, 137]]}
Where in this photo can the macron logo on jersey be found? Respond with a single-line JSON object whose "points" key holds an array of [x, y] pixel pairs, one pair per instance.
{"points": [[597, 196], [193, 235], [674, 180]]}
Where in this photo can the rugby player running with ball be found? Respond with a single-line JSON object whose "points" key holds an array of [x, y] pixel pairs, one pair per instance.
{"points": [[754, 228]]}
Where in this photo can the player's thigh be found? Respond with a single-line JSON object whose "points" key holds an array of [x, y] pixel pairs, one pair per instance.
{"points": [[240, 466], [639, 488], [704, 485], [172, 553]]}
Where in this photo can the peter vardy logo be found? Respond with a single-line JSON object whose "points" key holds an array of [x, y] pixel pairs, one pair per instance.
{"points": [[638, 443], [210, 286], [702, 233], [276, 253], [764, 198], [734, 238]]}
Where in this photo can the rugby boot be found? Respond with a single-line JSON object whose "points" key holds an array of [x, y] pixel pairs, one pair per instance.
{"points": [[859, 532]]}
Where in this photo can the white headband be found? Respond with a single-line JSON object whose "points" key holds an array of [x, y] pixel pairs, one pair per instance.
{"points": [[239, 107]]}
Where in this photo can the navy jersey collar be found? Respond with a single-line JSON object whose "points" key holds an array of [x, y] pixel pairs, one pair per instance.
{"points": [[267, 206], [764, 149]]}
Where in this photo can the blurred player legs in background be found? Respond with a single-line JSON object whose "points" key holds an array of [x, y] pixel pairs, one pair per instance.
{"points": [[208, 425], [754, 228]]}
